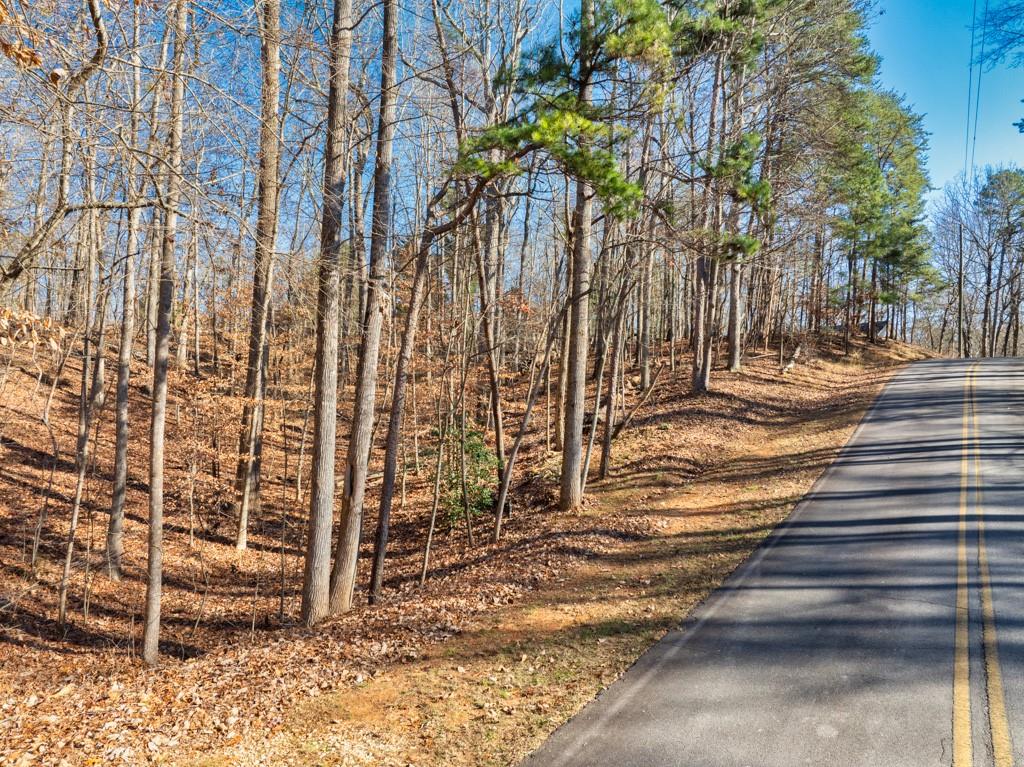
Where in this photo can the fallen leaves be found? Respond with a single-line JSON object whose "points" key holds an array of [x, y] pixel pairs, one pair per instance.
{"points": [[82, 699]]}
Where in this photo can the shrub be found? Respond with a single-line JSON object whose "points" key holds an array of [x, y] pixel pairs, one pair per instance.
{"points": [[481, 475]]}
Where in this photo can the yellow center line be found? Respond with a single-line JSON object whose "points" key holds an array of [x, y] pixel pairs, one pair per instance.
{"points": [[1002, 750], [962, 746]]}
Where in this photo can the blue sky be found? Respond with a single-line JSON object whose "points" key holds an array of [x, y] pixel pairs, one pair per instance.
{"points": [[925, 49]]}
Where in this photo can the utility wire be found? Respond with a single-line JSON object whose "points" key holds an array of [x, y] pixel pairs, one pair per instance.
{"points": [[970, 87], [981, 71]]}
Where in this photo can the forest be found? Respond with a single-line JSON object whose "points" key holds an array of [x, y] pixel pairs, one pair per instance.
{"points": [[330, 283]]}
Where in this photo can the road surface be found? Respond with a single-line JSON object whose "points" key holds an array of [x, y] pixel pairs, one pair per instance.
{"points": [[882, 625]]}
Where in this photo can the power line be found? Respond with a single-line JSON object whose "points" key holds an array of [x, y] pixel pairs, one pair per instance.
{"points": [[970, 87], [981, 71]]}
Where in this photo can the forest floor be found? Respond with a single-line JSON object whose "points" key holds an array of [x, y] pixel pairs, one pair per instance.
{"points": [[502, 644]]}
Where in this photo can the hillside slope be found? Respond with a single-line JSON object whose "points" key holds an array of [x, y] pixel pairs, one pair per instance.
{"points": [[698, 481]]}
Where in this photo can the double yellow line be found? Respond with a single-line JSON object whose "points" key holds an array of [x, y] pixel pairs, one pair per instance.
{"points": [[999, 728]]}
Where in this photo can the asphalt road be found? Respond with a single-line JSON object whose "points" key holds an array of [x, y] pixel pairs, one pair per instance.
{"points": [[882, 625]]}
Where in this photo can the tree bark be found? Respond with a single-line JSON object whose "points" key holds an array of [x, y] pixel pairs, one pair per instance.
{"points": [[735, 312], [571, 487], [115, 524], [251, 438], [343, 574], [391, 443], [154, 581], [316, 581]]}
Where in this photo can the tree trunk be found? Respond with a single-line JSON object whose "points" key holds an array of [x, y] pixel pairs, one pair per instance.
{"points": [[571, 489], [609, 405], [343, 574], [872, 306], [316, 583], [645, 315], [115, 525], [735, 312], [158, 174], [154, 583], [251, 437], [391, 443], [488, 300], [85, 409], [704, 284]]}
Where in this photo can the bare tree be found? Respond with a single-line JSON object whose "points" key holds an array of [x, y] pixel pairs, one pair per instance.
{"points": [[115, 526], [316, 585], [251, 440], [343, 573], [172, 196]]}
